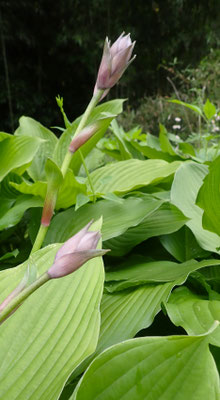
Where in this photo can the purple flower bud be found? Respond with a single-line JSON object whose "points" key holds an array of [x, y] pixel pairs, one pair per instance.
{"points": [[83, 136], [115, 60], [75, 252]]}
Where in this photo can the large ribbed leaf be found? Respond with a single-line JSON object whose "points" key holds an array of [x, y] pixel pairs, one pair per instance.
{"points": [[187, 182], [126, 313], [183, 245], [209, 198], [166, 368], [195, 314], [117, 217], [123, 176], [52, 332], [16, 152], [138, 271], [166, 219], [29, 127]]}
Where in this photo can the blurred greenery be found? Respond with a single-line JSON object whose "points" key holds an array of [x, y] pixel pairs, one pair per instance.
{"points": [[48, 49]]}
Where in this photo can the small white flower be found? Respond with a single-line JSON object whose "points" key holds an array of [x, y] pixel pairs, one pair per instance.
{"points": [[177, 119], [176, 127]]}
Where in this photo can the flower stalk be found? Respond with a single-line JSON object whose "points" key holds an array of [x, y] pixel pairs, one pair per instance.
{"points": [[19, 299]]}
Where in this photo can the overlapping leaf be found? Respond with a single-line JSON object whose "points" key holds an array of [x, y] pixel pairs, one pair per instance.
{"points": [[117, 217], [61, 330], [69, 189], [166, 219], [125, 313], [194, 313], [173, 367], [187, 182], [16, 152], [137, 271], [209, 198], [124, 176], [29, 127]]}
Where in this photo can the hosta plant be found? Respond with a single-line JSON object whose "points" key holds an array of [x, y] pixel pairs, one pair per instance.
{"points": [[145, 323]]}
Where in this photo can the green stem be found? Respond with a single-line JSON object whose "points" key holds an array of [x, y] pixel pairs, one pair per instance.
{"points": [[39, 238], [88, 176], [66, 162], [19, 299], [94, 100]]}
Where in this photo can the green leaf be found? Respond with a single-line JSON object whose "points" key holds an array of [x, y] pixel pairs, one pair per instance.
{"points": [[4, 135], [137, 271], [173, 367], [113, 108], [53, 174], [182, 245], [209, 198], [164, 141], [187, 182], [56, 328], [11, 254], [16, 212], [17, 151], [153, 153], [187, 148], [81, 200], [124, 176], [67, 194], [118, 132], [191, 106], [117, 217], [194, 314], [163, 220], [209, 109], [123, 314], [30, 127]]}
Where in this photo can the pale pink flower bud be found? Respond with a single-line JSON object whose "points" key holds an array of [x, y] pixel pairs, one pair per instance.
{"points": [[75, 252], [115, 60], [83, 136]]}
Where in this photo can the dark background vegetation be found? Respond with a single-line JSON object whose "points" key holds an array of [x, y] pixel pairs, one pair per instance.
{"points": [[49, 48]]}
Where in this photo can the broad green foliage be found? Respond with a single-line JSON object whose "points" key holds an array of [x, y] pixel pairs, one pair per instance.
{"points": [[17, 151], [186, 184], [131, 174], [117, 217], [152, 368], [69, 189], [194, 313], [138, 271], [166, 219], [182, 245], [30, 127], [125, 313], [65, 316], [158, 198], [209, 198], [12, 216]]}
